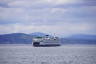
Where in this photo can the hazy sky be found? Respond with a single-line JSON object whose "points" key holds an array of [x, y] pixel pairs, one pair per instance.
{"points": [[62, 17]]}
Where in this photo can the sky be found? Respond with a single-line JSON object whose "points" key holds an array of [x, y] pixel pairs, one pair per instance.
{"points": [[62, 17]]}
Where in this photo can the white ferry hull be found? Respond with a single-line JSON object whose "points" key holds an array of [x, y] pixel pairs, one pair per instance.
{"points": [[45, 44]]}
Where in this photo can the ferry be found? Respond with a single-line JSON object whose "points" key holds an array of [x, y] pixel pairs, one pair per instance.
{"points": [[46, 41]]}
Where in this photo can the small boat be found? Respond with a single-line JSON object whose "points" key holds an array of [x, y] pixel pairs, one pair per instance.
{"points": [[46, 41]]}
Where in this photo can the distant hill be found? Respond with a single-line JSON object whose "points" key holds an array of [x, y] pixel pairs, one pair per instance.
{"points": [[83, 36], [21, 38], [79, 39], [16, 38]]}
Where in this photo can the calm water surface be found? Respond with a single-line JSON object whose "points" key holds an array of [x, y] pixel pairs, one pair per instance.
{"points": [[67, 54]]}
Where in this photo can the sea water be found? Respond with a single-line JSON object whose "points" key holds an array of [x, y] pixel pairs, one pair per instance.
{"points": [[65, 54]]}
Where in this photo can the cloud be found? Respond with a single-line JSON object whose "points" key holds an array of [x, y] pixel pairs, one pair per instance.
{"points": [[38, 3], [21, 15], [61, 29], [47, 15], [45, 3], [52, 16]]}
